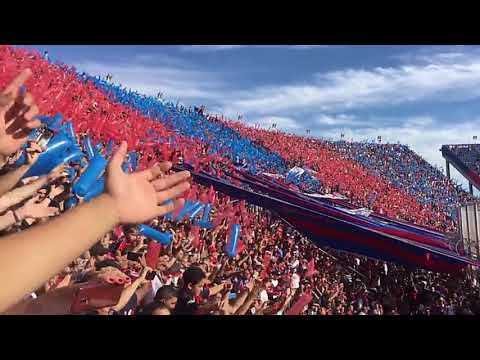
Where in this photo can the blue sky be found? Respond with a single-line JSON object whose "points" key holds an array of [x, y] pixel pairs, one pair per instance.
{"points": [[423, 96]]}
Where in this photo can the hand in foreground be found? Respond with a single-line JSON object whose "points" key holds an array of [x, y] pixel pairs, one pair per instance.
{"points": [[56, 173], [17, 112], [137, 196], [33, 210]]}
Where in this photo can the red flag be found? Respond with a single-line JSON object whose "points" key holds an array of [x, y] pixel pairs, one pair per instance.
{"points": [[265, 263], [195, 235], [240, 246], [203, 198], [211, 195], [311, 268], [153, 252], [298, 307]]}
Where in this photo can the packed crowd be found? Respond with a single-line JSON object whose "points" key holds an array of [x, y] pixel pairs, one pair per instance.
{"points": [[469, 155], [274, 271], [407, 170], [375, 177]]}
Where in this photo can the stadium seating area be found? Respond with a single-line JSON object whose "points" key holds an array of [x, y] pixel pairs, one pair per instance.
{"points": [[469, 154], [368, 183], [389, 179], [406, 170]]}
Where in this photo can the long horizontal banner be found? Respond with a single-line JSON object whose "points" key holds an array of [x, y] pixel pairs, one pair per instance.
{"points": [[333, 226]]}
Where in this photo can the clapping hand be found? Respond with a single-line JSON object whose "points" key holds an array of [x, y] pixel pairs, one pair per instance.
{"points": [[34, 210], [17, 113], [138, 197]]}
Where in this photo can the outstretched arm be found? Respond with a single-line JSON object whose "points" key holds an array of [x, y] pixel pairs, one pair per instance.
{"points": [[10, 179], [31, 257], [17, 195]]}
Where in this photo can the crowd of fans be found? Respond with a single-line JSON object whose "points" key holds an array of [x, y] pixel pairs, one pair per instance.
{"points": [[407, 170], [275, 271], [468, 155], [389, 179]]}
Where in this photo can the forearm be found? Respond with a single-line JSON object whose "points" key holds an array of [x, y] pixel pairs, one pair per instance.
{"points": [[18, 195], [7, 220], [138, 247], [127, 294], [245, 258], [171, 262], [287, 301], [240, 301], [214, 274], [242, 310], [3, 160], [214, 290], [22, 255], [143, 291], [10, 179]]}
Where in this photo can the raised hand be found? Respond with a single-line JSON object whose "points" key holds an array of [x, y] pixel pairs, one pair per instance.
{"points": [[32, 210], [56, 190], [17, 112], [56, 173], [137, 196]]}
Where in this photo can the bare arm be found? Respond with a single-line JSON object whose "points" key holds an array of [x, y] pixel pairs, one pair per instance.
{"points": [[128, 292], [143, 291], [10, 179], [245, 258], [240, 301], [287, 301], [242, 310], [214, 290], [23, 256], [7, 220], [37, 254], [24, 192]]}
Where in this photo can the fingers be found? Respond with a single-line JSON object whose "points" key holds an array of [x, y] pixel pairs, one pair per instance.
{"points": [[173, 192], [118, 157], [170, 180], [31, 113], [153, 173], [34, 146], [27, 100], [157, 170], [5, 100], [14, 87], [172, 206], [52, 211], [34, 124]]}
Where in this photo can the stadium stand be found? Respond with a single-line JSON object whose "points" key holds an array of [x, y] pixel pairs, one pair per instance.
{"points": [[271, 269]]}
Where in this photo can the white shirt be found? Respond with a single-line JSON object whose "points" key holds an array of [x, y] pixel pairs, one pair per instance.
{"points": [[264, 296], [295, 283], [156, 284]]}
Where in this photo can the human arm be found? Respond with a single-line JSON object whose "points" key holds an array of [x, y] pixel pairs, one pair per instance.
{"points": [[38, 253], [214, 290], [10, 179], [128, 292], [24, 192]]}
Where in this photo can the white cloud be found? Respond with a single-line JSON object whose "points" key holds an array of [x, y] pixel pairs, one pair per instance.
{"points": [[283, 123], [176, 82], [338, 120], [443, 80], [444, 76]]}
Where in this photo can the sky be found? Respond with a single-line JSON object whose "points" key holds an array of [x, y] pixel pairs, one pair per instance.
{"points": [[422, 96]]}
